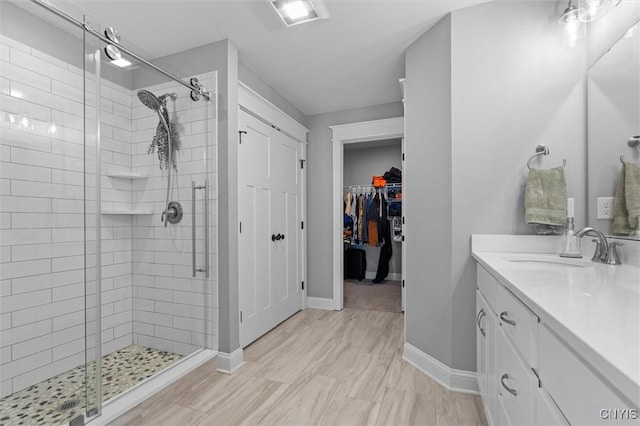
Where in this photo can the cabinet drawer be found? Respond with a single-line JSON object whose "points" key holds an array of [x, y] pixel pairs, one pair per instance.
{"points": [[519, 324], [578, 390], [547, 412], [487, 285], [516, 383]]}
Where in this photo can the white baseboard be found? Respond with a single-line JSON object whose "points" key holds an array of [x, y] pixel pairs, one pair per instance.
{"points": [[229, 363], [452, 379], [320, 303], [142, 391]]}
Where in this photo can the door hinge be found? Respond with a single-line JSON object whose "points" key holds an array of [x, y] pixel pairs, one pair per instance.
{"points": [[241, 132], [402, 283], [403, 238], [403, 156], [302, 164], [302, 225], [241, 227], [303, 285], [403, 220], [240, 316]]}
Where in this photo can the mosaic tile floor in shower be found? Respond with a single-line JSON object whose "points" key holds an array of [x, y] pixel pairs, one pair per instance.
{"points": [[121, 370]]}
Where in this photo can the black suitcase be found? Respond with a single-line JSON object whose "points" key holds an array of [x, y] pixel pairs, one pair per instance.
{"points": [[355, 264]]}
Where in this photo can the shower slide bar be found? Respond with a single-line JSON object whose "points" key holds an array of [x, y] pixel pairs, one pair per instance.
{"points": [[197, 88], [206, 227]]}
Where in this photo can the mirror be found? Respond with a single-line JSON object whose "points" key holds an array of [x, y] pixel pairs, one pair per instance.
{"points": [[613, 111]]}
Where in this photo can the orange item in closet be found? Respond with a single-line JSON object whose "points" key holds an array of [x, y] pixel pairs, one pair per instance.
{"points": [[379, 181]]}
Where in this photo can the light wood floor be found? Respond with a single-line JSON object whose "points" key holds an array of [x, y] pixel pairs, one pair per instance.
{"points": [[384, 297], [318, 367]]}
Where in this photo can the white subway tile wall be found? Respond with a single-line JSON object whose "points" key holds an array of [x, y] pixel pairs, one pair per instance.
{"points": [[148, 296], [168, 303]]}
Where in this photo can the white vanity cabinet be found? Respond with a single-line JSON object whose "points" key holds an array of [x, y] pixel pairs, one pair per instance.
{"points": [[507, 357], [529, 375], [486, 328]]}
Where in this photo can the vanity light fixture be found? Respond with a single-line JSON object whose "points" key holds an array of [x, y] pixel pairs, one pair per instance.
{"points": [[569, 15], [294, 12], [571, 24], [590, 10]]}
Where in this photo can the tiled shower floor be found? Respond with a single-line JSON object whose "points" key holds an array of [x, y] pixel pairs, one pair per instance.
{"points": [[121, 370]]}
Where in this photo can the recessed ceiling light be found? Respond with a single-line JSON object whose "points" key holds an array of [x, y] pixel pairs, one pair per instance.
{"points": [[295, 9], [294, 12], [122, 63]]}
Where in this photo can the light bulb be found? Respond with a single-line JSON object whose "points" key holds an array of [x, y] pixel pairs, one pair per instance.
{"points": [[295, 9], [590, 10]]}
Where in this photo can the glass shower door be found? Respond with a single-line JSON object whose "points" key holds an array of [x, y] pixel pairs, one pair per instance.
{"points": [[153, 310]]}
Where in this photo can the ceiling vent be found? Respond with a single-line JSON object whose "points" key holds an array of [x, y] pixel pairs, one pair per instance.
{"points": [[294, 12]]}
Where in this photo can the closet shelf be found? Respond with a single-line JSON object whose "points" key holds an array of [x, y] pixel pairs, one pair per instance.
{"points": [[126, 175], [126, 212]]}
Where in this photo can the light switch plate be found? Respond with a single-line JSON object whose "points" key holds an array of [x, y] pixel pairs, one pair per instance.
{"points": [[605, 208]]}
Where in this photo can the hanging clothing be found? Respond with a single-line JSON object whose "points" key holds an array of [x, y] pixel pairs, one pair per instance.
{"points": [[348, 198], [372, 220], [365, 227], [386, 252], [360, 218]]}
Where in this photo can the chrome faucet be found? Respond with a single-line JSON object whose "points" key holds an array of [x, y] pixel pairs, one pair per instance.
{"points": [[605, 252]]}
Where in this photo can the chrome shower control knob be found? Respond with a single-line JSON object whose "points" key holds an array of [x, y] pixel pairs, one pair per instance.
{"points": [[173, 213]]}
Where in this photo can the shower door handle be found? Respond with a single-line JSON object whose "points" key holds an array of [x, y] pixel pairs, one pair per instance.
{"points": [[206, 228]]}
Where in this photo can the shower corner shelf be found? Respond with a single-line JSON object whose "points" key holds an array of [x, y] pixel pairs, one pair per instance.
{"points": [[126, 175], [126, 212]]}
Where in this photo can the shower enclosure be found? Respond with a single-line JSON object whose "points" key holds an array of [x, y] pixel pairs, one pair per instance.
{"points": [[107, 194]]}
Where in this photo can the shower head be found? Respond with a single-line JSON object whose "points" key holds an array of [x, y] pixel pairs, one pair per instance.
{"points": [[151, 101]]}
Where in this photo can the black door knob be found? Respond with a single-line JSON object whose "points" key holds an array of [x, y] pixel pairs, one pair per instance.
{"points": [[273, 237], [282, 236]]}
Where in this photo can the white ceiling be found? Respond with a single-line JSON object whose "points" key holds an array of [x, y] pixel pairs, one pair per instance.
{"points": [[353, 59]]}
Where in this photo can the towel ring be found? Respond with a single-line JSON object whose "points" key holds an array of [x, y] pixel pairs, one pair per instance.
{"points": [[542, 150], [634, 141]]}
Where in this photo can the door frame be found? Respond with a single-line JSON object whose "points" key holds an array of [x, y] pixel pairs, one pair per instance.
{"points": [[360, 132]]}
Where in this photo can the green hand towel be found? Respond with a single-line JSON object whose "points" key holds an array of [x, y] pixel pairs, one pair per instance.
{"points": [[545, 198], [620, 213], [632, 193]]}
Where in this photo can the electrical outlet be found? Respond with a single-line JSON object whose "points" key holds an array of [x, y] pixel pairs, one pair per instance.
{"points": [[605, 208]]}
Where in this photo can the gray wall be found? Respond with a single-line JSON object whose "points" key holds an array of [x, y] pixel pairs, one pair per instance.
{"points": [[360, 164], [319, 189], [524, 89], [428, 177], [250, 78]]}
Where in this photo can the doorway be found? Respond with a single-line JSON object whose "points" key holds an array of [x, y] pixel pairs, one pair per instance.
{"points": [[372, 229], [365, 131]]}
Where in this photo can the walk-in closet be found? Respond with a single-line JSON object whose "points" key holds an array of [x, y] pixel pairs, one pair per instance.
{"points": [[372, 231]]}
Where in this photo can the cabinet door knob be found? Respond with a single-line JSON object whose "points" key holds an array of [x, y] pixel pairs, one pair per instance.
{"points": [[510, 390], [273, 237], [503, 317]]}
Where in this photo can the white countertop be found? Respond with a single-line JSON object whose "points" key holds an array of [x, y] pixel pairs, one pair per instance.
{"points": [[595, 308]]}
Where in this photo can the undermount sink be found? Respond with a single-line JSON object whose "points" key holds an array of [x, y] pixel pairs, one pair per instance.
{"points": [[549, 260]]}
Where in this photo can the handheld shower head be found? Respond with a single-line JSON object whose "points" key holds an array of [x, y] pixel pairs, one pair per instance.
{"points": [[152, 102], [149, 100]]}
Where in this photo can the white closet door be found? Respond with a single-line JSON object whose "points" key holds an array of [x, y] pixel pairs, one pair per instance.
{"points": [[287, 217], [255, 196], [269, 196]]}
